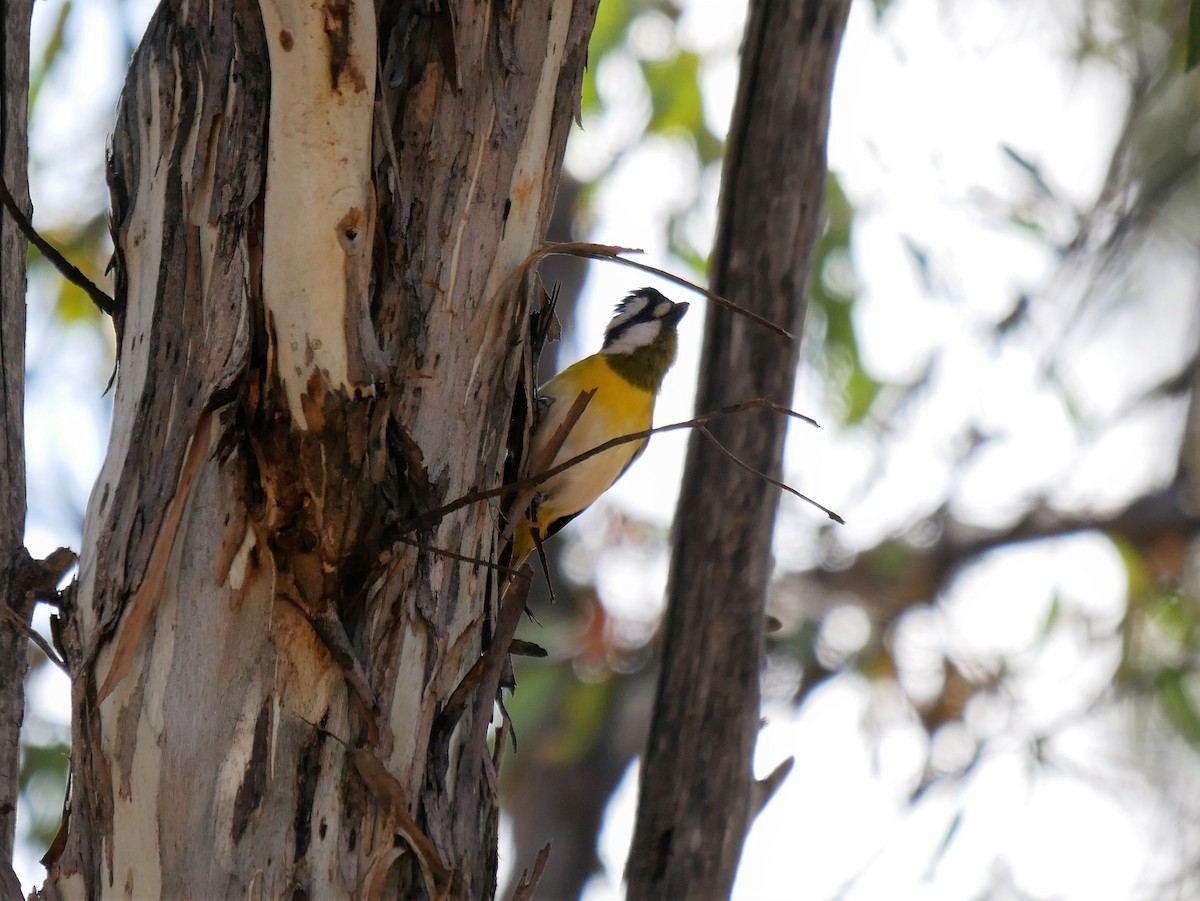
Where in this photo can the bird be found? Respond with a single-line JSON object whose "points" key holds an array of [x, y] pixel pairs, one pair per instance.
{"points": [[640, 345]]}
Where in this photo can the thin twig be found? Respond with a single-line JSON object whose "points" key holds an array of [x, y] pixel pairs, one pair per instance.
{"points": [[613, 254], [764, 789], [106, 304], [463, 558], [32, 634], [535, 480], [528, 882], [494, 659], [730, 455]]}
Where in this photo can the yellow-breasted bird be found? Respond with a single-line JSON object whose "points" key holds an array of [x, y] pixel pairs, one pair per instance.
{"points": [[639, 347]]}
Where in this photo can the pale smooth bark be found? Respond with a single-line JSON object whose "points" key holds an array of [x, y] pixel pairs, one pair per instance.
{"points": [[315, 214], [698, 794]]}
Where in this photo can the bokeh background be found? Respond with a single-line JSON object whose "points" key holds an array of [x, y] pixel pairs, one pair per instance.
{"points": [[988, 677]]}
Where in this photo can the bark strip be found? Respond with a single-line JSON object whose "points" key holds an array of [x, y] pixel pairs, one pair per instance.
{"points": [[318, 218]]}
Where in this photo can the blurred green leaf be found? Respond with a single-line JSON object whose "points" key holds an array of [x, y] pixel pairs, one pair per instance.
{"points": [[41, 760], [1177, 703], [832, 297], [1193, 37], [51, 55], [881, 8], [1136, 574], [43, 784], [81, 245], [537, 685], [584, 711], [1053, 616], [675, 100]]}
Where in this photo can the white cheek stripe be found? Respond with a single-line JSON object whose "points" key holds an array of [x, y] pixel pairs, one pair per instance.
{"points": [[635, 337]]}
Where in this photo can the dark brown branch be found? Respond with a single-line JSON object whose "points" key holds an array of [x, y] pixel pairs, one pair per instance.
{"points": [[391, 797], [14, 595], [68, 271], [1142, 524], [494, 661], [697, 792], [764, 789], [528, 882]]}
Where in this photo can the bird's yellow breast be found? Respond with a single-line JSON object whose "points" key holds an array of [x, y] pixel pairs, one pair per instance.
{"points": [[617, 408]]}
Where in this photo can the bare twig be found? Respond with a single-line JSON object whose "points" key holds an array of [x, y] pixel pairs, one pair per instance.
{"points": [[462, 558], [764, 789], [390, 795], [535, 480], [489, 668], [331, 631], [105, 303], [528, 882], [730, 455], [613, 254], [32, 634]]}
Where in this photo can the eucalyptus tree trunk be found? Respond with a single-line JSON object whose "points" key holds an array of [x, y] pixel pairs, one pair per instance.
{"points": [[698, 794], [18, 609], [316, 212]]}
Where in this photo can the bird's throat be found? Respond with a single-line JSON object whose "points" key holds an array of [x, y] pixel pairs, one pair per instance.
{"points": [[646, 367]]}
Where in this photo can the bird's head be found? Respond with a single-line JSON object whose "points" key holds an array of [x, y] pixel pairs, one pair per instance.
{"points": [[640, 341]]}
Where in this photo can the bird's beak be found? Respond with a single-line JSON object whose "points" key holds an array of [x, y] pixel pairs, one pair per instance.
{"points": [[676, 313]]}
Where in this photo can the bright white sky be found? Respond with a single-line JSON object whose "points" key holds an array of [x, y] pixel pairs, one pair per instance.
{"points": [[920, 111]]}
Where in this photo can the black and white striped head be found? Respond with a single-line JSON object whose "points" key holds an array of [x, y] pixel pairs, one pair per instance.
{"points": [[642, 320]]}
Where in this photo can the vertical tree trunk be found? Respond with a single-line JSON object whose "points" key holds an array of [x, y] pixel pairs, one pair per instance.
{"points": [[14, 661], [697, 786], [316, 210]]}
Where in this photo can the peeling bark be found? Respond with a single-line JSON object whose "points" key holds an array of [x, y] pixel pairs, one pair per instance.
{"points": [[314, 211]]}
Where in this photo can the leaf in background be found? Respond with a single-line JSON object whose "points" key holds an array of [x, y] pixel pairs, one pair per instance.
{"points": [[675, 100], [1053, 617], [50, 56], [1193, 37], [1177, 703], [83, 246], [1137, 576], [584, 712], [833, 293], [42, 783], [881, 8], [537, 687]]}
